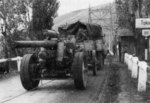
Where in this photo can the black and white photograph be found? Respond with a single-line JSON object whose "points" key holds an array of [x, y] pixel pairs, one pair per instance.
{"points": [[74, 51]]}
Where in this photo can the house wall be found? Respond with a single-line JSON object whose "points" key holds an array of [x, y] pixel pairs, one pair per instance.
{"points": [[127, 44]]}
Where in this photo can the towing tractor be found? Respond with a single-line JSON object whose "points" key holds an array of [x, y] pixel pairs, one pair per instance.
{"points": [[90, 38]]}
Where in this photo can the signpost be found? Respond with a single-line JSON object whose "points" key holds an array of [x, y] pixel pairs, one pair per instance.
{"points": [[146, 32], [144, 24]]}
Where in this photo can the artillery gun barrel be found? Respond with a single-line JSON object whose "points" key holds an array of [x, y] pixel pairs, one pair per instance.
{"points": [[34, 44]]}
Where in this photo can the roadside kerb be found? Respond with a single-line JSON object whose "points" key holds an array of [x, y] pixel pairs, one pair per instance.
{"points": [[139, 70]]}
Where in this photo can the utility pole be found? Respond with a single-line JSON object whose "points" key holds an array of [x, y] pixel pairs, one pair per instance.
{"points": [[104, 17], [89, 19], [112, 30]]}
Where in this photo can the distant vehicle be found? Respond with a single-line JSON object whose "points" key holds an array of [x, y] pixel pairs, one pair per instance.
{"points": [[92, 37]]}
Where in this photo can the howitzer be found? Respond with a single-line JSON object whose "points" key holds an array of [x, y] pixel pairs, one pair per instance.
{"points": [[57, 59]]}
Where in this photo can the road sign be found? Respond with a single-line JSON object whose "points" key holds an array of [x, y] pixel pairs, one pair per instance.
{"points": [[142, 23], [146, 32]]}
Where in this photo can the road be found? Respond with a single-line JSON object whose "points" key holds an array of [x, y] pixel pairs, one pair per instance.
{"points": [[53, 91], [113, 84]]}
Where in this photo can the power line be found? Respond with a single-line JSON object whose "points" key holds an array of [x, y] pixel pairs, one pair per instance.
{"points": [[103, 16]]}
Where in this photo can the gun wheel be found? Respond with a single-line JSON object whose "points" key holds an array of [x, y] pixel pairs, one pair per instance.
{"points": [[27, 72], [101, 61], [80, 71], [94, 69]]}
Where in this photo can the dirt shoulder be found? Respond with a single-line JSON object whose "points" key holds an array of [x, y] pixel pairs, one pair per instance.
{"points": [[112, 87], [121, 88]]}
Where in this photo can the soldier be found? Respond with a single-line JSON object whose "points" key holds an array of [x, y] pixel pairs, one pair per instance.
{"points": [[81, 35], [114, 50]]}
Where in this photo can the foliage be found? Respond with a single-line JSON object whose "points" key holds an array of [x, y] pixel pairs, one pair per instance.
{"points": [[124, 9], [132, 9], [16, 19], [43, 13], [16, 16], [146, 4], [11, 16], [128, 10], [10, 13]]}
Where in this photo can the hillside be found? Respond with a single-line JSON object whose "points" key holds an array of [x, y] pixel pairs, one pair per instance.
{"points": [[105, 19], [81, 15]]}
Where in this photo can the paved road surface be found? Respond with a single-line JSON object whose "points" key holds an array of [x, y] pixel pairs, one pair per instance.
{"points": [[53, 91]]}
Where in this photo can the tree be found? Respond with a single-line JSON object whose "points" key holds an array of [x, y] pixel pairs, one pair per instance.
{"points": [[134, 9], [44, 11], [146, 4], [16, 16], [11, 16], [124, 14]]}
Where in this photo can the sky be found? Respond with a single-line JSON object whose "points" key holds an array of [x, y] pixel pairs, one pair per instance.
{"points": [[67, 6]]}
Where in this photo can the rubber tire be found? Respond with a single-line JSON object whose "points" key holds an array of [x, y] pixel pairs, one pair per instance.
{"points": [[94, 67], [26, 73], [80, 77], [101, 61], [100, 58]]}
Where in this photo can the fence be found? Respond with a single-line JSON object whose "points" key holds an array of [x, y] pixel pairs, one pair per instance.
{"points": [[139, 70], [18, 59]]}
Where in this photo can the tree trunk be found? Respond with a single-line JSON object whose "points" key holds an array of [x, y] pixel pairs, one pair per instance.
{"points": [[9, 51], [7, 66], [140, 39]]}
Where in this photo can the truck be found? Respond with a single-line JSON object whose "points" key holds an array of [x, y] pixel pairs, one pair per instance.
{"points": [[91, 38]]}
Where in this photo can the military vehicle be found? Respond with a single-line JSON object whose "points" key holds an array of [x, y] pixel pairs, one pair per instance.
{"points": [[67, 54]]}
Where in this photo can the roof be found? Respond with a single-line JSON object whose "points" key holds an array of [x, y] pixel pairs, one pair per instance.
{"points": [[94, 31]]}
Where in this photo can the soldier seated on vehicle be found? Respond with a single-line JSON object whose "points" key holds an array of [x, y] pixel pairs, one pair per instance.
{"points": [[50, 34], [81, 35]]}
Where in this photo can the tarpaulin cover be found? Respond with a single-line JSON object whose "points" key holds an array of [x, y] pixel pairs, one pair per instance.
{"points": [[93, 31]]}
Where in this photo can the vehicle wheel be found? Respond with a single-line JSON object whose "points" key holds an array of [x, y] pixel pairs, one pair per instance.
{"points": [[94, 67], [80, 70], [27, 72], [101, 61]]}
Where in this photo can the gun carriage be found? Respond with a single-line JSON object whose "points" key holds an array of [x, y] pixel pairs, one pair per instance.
{"points": [[62, 55]]}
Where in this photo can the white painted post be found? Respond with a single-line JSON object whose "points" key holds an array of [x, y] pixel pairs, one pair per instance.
{"points": [[130, 62], [134, 67], [142, 76], [19, 63], [148, 48], [125, 58], [146, 54]]}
